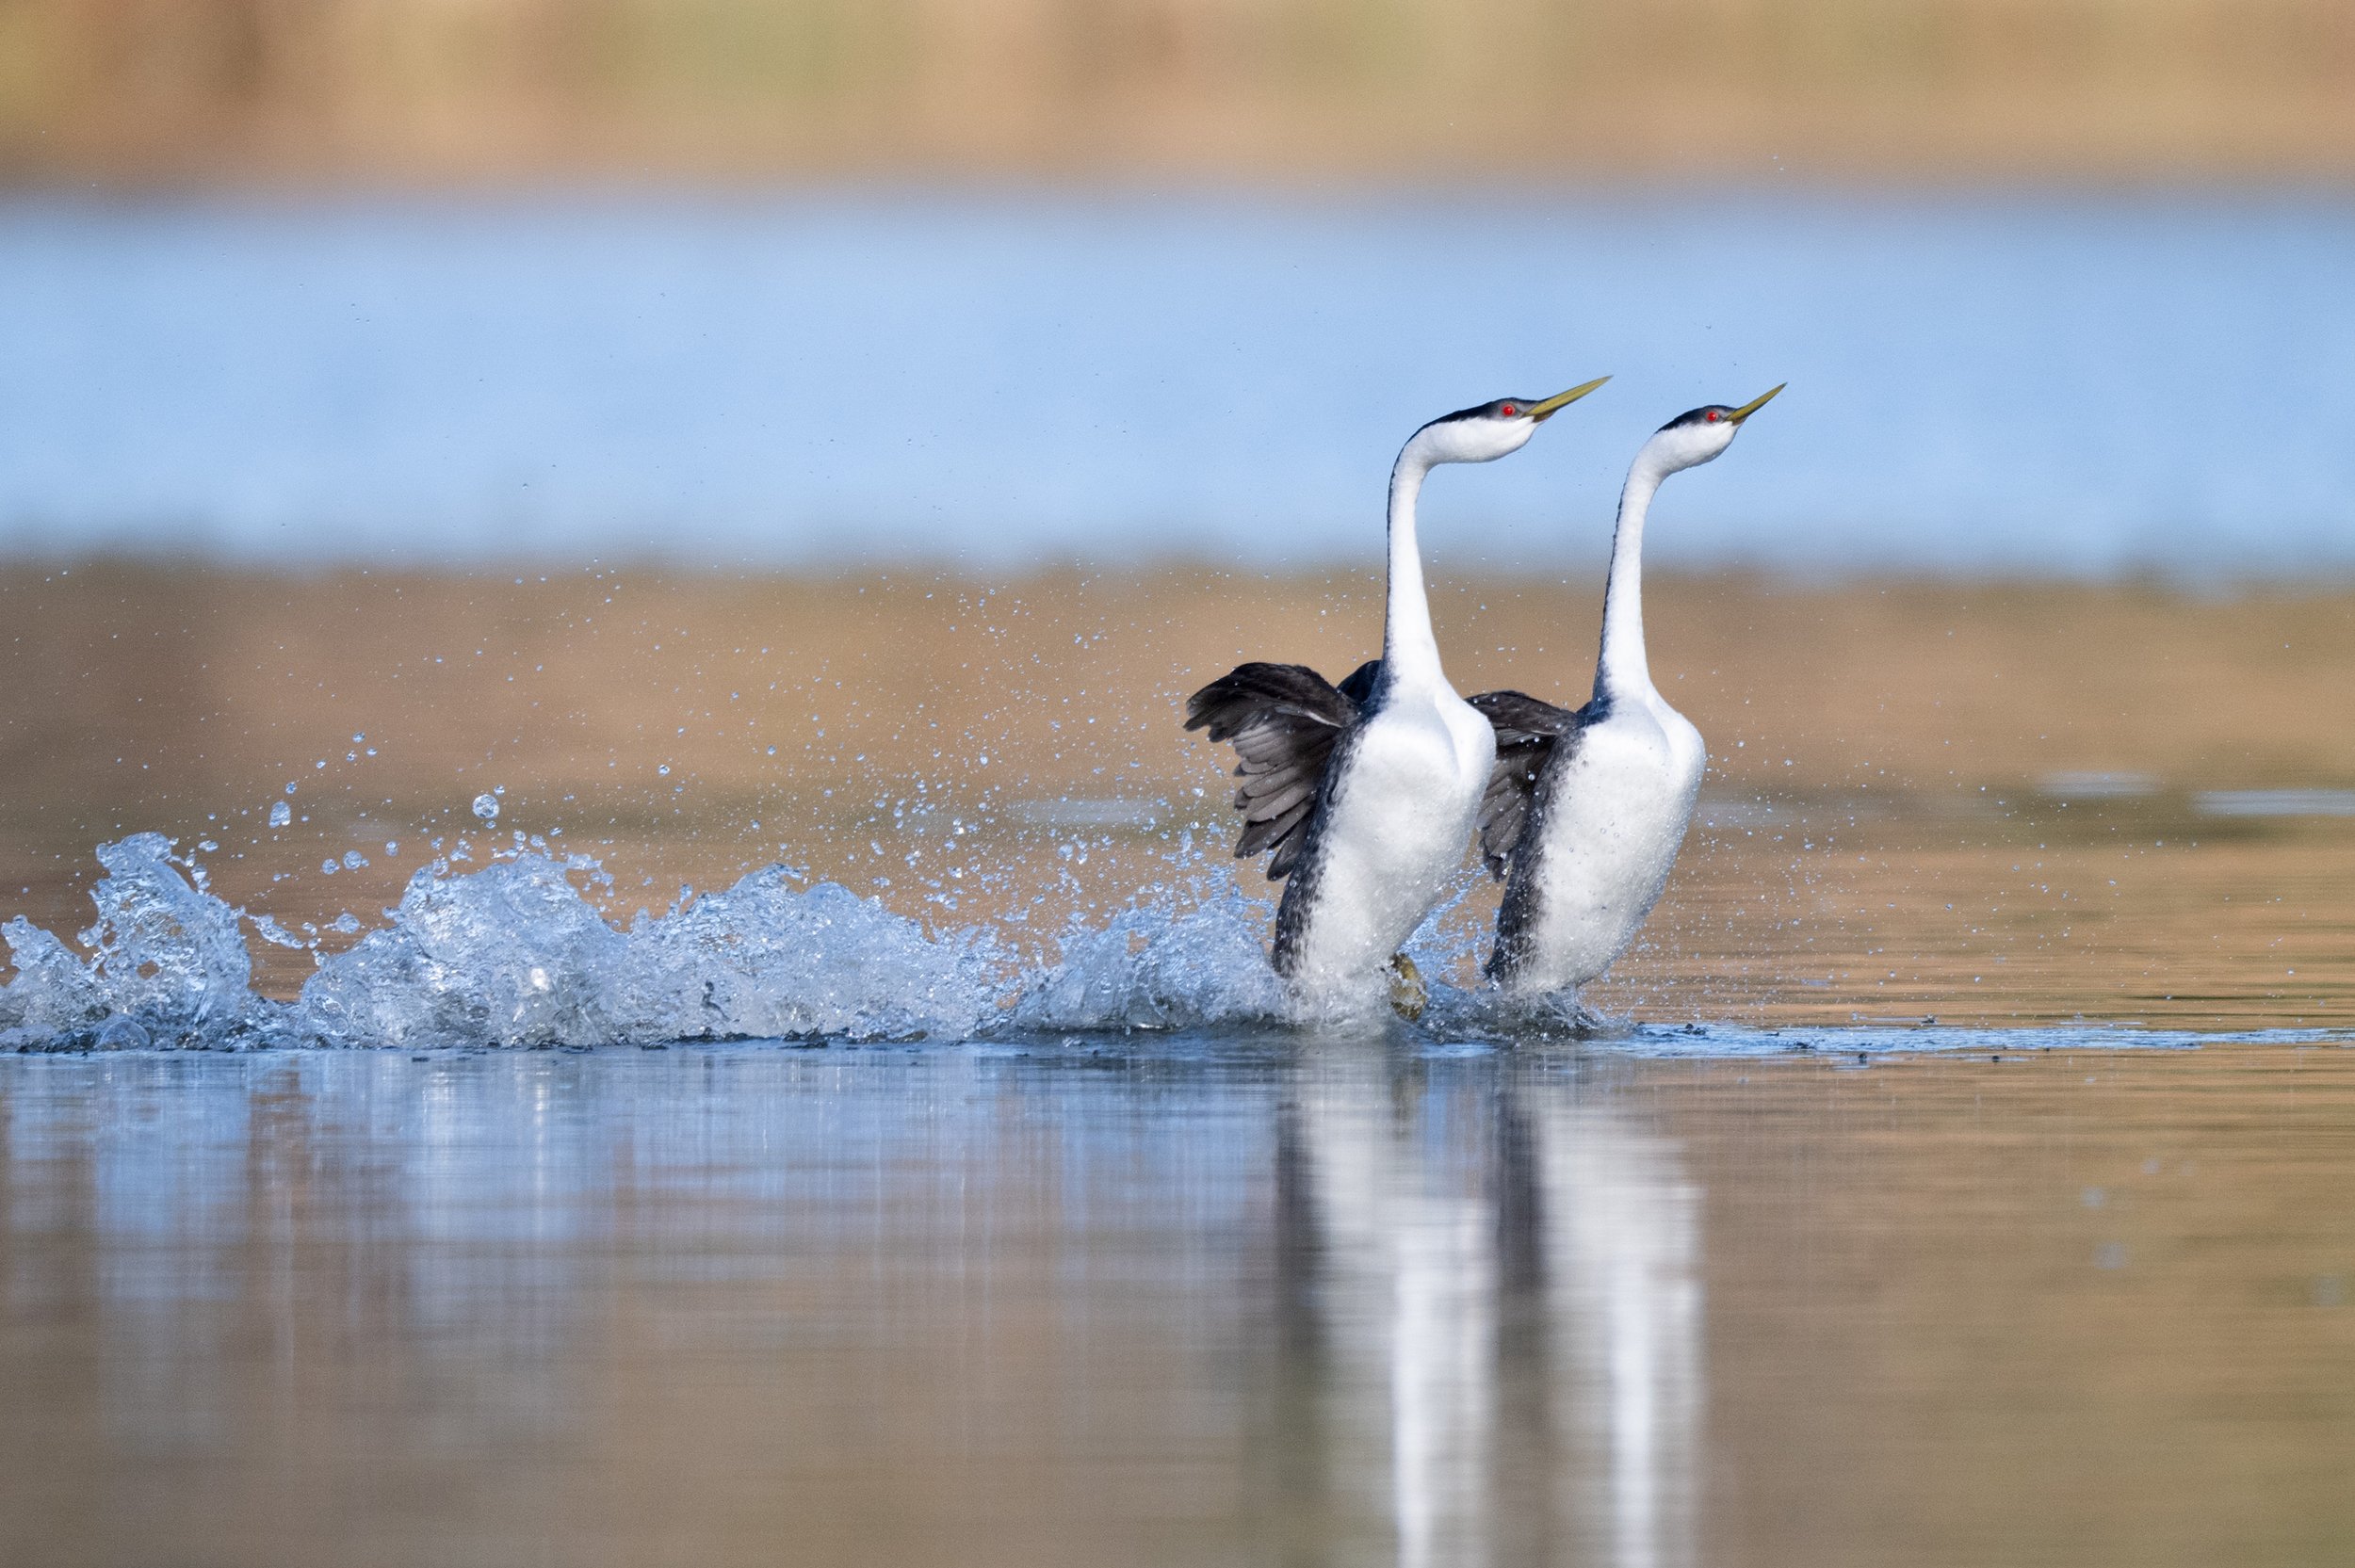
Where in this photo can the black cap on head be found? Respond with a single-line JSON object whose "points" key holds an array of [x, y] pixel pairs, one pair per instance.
{"points": [[1699, 416], [1504, 408]]}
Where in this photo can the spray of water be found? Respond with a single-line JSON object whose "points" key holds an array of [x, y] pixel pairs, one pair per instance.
{"points": [[515, 954]]}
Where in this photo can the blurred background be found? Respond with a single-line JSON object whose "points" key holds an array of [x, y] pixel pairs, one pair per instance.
{"points": [[708, 421], [476, 90], [2059, 284]]}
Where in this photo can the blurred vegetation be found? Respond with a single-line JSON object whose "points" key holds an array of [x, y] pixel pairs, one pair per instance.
{"points": [[490, 89]]}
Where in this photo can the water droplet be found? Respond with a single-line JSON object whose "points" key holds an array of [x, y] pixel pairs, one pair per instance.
{"points": [[486, 807], [280, 813]]}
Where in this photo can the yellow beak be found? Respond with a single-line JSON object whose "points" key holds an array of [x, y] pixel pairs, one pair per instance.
{"points": [[1753, 405], [1560, 400]]}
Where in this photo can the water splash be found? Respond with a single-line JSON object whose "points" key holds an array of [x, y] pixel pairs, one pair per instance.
{"points": [[765, 960], [515, 954], [53, 996], [164, 956], [162, 950], [1150, 968]]}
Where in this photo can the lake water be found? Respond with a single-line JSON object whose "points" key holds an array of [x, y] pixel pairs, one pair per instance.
{"points": [[2070, 383], [1967, 1176], [1342, 1300], [1781, 1269]]}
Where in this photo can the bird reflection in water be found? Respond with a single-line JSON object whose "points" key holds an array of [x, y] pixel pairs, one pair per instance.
{"points": [[1496, 1296], [1296, 1303]]}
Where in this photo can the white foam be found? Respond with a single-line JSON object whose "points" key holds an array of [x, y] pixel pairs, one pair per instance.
{"points": [[161, 953], [1152, 969], [515, 954]]}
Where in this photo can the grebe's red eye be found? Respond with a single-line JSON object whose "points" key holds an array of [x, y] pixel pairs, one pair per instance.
{"points": [[1509, 411], [1713, 416]]}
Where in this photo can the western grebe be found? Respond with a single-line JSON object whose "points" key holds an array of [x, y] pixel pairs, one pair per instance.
{"points": [[1584, 811], [1363, 794]]}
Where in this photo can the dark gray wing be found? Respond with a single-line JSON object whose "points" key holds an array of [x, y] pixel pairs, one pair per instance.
{"points": [[1358, 684], [1283, 720], [1527, 732]]}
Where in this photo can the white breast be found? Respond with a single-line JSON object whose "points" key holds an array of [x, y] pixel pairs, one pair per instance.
{"points": [[1401, 814], [1610, 835]]}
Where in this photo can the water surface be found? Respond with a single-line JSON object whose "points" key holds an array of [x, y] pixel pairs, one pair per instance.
{"points": [[1246, 1300], [2008, 382], [1971, 1186]]}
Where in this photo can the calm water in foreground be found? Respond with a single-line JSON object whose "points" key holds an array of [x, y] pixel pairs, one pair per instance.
{"points": [[1189, 1300]]}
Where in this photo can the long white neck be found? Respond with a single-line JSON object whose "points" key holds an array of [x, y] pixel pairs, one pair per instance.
{"points": [[1410, 652], [1623, 671]]}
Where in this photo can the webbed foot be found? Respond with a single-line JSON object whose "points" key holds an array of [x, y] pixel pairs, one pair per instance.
{"points": [[1408, 994]]}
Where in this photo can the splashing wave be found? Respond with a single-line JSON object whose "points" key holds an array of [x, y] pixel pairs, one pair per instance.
{"points": [[514, 955]]}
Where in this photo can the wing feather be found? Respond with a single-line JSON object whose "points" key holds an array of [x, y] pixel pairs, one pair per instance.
{"points": [[1279, 800], [1283, 720], [1527, 731]]}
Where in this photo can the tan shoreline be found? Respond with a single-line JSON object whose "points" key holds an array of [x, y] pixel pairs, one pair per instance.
{"points": [[1287, 91]]}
